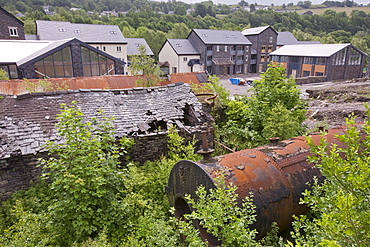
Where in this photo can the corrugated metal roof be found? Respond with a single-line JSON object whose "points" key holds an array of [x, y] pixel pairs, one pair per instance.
{"points": [[16, 87], [315, 50], [222, 37], [183, 47], [254, 30], [134, 43], [89, 33]]}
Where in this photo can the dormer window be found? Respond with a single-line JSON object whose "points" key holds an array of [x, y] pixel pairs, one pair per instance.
{"points": [[77, 31], [113, 32], [178, 45], [13, 31], [62, 30]]}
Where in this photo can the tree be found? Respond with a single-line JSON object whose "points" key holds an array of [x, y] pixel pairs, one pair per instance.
{"points": [[252, 7], [341, 204], [180, 10], [84, 178], [304, 4], [179, 31], [3, 75], [200, 9], [144, 66]]}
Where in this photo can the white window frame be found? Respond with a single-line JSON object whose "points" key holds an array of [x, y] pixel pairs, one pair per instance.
{"points": [[225, 48], [104, 48], [119, 48], [13, 32], [185, 59], [218, 48]]}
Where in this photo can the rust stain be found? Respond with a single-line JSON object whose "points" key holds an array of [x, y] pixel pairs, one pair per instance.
{"points": [[17, 86]]}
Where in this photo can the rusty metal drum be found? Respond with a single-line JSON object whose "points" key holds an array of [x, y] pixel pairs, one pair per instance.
{"points": [[276, 174]]}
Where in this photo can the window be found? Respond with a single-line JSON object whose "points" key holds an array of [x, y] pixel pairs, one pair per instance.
{"points": [[320, 61], [11, 71], [178, 45], [271, 39], [185, 59], [263, 58], [239, 69], [308, 60], [270, 48], [119, 49], [239, 58], [232, 48], [354, 57], [113, 32], [295, 59], [209, 58], [97, 47], [225, 48], [58, 64], [13, 31], [232, 58], [94, 64], [306, 73], [319, 74], [77, 31], [263, 49], [340, 57], [209, 69], [239, 48], [62, 30], [209, 48], [174, 70], [104, 48], [247, 49], [218, 48]]}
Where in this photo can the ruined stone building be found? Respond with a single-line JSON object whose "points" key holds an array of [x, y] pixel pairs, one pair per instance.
{"points": [[144, 114]]}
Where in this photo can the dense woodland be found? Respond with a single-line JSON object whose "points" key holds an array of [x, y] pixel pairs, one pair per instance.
{"points": [[146, 19]]}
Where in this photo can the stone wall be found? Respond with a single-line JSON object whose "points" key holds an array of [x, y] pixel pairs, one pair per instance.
{"points": [[310, 79], [7, 20]]}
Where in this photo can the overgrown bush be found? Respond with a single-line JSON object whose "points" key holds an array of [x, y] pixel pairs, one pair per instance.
{"points": [[340, 205]]}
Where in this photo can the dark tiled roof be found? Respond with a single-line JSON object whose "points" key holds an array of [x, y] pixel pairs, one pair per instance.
{"points": [[89, 33], [134, 43], [27, 121], [183, 47], [222, 37], [286, 38]]}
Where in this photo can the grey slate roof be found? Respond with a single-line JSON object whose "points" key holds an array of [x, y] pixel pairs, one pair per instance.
{"points": [[286, 38], [254, 30], [27, 121], [183, 47], [89, 33], [134, 43], [214, 37]]}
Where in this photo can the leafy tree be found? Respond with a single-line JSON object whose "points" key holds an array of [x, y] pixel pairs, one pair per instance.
{"points": [[341, 204], [252, 8], [179, 31], [200, 9], [3, 75], [144, 66], [180, 10], [84, 178]]}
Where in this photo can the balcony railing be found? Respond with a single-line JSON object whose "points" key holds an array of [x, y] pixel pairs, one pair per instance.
{"points": [[233, 52], [239, 53], [209, 63], [209, 53]]}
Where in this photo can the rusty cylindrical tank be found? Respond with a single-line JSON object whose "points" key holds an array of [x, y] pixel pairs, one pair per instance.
{"points": [[276, 174]]}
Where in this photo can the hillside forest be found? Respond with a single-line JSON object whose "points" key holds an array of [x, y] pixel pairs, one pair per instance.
{"points": [[150, 19]]}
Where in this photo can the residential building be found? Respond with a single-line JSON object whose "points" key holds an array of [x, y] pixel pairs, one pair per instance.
{"points": [[334, 61], [10, 26], [107, 38], [264, 40], [221, 51], [132, 47], [54, 59], [181, 57]]}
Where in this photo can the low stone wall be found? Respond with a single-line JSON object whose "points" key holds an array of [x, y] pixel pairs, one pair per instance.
{"points": [[310, 79]]}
